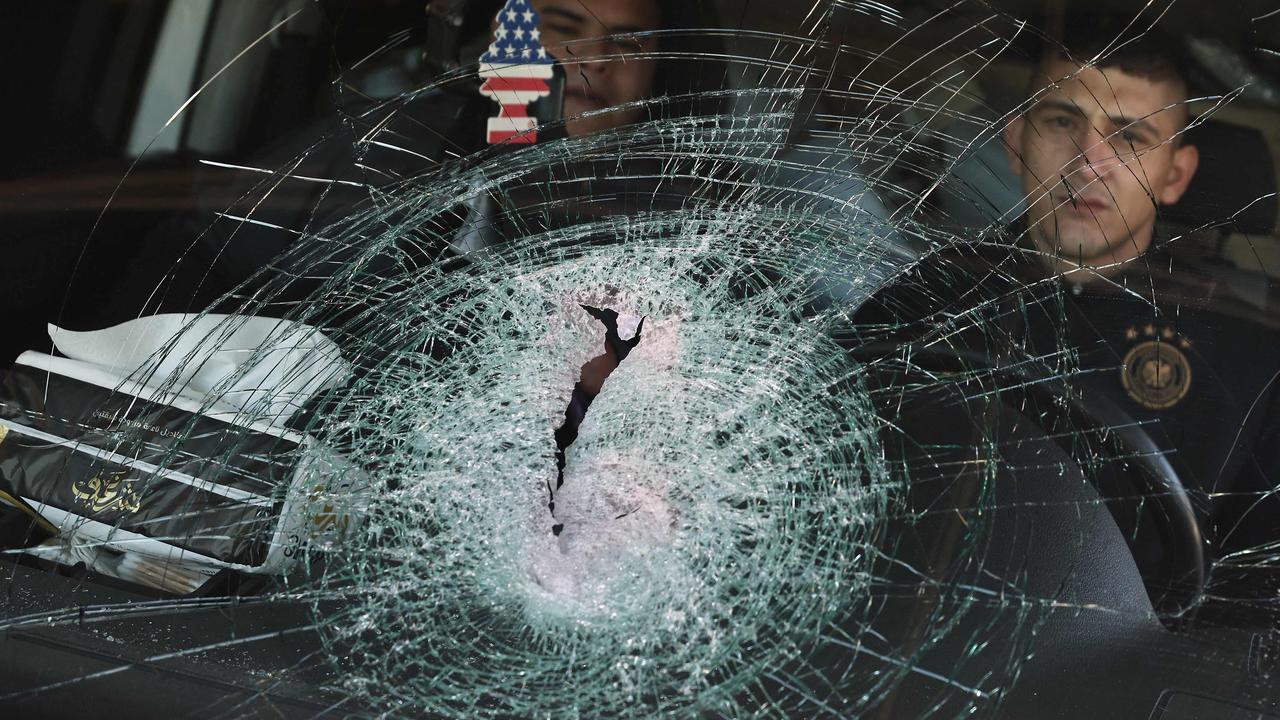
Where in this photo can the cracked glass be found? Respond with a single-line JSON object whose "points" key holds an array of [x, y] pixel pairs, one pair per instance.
{"points": [[641, 358]]}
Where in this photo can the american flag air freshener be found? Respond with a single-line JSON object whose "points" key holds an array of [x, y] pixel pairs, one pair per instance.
{"points": [[516, 71]]}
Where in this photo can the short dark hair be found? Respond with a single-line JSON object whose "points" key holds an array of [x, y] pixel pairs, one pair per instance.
{"points": [[1121, 42], [1124, 42]]}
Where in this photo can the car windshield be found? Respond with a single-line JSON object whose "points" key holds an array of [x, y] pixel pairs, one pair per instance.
{"points": [[635, 358]]}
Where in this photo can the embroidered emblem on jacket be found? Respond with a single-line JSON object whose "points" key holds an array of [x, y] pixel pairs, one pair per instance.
{"points": [[1156, 373]]}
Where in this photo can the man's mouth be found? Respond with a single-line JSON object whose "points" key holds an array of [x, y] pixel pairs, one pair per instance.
{"points": [[1082, 204]]}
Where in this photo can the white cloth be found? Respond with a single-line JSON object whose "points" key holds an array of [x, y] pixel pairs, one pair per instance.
{"points": [[264, 367]]}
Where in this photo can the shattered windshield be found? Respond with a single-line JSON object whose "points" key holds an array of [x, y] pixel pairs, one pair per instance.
{"points": [[641, 358]]}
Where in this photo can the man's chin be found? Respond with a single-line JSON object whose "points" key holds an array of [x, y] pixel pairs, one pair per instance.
{"points": [[1073, 241], [578, 126]]}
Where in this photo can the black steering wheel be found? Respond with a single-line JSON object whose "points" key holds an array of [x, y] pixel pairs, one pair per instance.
{"points": [[1149, 490]]}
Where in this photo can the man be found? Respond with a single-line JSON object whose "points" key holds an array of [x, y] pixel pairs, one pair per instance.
{"points": [[1098, 150], [607, 49], [618, 54], [1087, 291]]}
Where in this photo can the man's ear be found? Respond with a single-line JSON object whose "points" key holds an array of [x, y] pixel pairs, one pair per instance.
{"points": [[1185, 161], [1013, 143]]}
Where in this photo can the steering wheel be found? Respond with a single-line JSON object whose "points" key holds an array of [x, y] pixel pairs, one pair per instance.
{"points": [[1155, 489]]}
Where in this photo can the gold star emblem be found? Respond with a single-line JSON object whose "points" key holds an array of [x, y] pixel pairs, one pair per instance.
{"points": [[1131, 333], [1167, 333], [1149, 329]]}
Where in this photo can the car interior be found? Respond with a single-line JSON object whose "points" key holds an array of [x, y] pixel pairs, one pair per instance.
{"points": [[1040, 551]]}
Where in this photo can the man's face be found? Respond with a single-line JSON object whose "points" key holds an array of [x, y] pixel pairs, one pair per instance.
{"points": [[1095, 155], [600, 72]]}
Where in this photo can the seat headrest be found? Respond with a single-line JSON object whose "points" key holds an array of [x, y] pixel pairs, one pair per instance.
{"points": [[1235, 183]]}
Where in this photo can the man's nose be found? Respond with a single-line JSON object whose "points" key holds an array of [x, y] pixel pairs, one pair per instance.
{"points": [[1097, 152], [591, 55]]}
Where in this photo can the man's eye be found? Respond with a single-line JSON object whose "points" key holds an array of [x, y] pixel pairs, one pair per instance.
{"points": [[1059, 122], [1131, 138]]}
